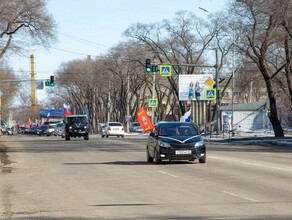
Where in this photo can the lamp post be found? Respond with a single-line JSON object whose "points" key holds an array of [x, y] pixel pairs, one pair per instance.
{"points": [[233, 66]]}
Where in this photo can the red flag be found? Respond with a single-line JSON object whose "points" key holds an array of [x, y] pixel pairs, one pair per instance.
{"points": [[144, 120]]}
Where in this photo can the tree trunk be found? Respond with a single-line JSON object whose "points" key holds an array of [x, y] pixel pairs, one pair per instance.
{"points": [[273, 115]]}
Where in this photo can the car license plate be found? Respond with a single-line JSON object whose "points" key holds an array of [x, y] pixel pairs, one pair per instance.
{"points": [[183, 152], [115, 129]]}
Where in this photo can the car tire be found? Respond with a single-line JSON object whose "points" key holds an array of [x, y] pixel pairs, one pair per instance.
{"points": [[123, 136], [149, 158], [202, 160], [156, 157], [106, 136], [86, 137], [67, 137]]}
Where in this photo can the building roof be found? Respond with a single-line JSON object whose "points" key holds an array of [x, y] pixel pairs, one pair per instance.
{"points": [[250, 106]]}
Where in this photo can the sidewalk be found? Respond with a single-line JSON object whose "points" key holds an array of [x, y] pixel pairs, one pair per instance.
{"points": [[251, 138]]}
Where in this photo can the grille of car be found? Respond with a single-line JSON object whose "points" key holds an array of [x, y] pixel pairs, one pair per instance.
{"points": [[185, 146]]}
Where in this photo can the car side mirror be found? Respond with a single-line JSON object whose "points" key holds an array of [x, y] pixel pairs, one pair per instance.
{"points": [[152, 134]]}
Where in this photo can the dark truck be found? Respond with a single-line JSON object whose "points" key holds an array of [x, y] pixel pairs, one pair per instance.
{"points": [[76, 126]]}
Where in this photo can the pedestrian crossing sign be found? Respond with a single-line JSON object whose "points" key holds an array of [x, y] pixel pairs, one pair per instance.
{"points": [[165, 70], [210, 94], [152, 103]]}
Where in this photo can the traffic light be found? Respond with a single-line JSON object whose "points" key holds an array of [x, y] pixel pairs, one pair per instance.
{"points": [[50, 82], [154, 68], [148, 66]]}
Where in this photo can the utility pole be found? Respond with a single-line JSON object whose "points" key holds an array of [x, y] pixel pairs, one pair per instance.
{"points": [[128, 100], [33, 98]]}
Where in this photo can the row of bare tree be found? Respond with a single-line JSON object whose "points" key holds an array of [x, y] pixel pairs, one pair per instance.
{"points": [[259, 32]]}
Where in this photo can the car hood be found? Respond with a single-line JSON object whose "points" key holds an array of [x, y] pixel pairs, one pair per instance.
{"points": [[181, 139]]}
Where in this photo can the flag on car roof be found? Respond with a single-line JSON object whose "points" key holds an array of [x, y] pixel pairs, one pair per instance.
{"points": [[187, 116], [144, 120]]}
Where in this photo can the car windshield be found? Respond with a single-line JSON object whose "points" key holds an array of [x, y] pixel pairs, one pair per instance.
{"points": [[72, 120], [177, 130], [115, 124]]}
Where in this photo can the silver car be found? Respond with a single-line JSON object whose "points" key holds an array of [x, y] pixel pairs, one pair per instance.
{"points": [[59, 129]]}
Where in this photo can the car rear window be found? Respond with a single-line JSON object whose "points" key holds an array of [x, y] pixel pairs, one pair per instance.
{"points": [[115, 124]]}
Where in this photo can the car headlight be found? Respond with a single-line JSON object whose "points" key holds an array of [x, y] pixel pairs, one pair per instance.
{"points": [[70, 127], [164, 144], [85, 127], [199, 144]]}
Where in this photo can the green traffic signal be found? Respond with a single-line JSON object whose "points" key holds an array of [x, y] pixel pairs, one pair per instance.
{"points": [[50, 84], [154, 68], [148, 66]]}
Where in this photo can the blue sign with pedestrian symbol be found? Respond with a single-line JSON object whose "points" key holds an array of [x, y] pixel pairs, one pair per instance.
{"points": [[210, 94], [152, 103], [165, 70]]}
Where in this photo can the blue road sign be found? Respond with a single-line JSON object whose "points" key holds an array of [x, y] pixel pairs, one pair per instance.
{"points": [[152, 103], [210, 94]]}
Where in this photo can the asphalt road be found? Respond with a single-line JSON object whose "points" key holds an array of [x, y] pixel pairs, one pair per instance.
{"points": [[50, 178]]}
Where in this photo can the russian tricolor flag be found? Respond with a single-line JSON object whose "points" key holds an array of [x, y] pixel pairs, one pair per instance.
{"points": [[187, 116]]}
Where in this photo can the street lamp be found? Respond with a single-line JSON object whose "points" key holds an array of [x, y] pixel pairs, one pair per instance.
{"points": [[233, 65]]}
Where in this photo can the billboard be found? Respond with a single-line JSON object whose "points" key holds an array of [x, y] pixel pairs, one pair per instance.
{"points": [[196, 87]]}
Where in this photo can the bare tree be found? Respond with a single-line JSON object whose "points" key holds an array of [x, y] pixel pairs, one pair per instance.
{"points": [[23, 23], [262, 31]]}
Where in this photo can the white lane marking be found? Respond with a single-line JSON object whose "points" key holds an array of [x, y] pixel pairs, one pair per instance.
{"points": [[169, 174], [238, 196], [289, 169]]}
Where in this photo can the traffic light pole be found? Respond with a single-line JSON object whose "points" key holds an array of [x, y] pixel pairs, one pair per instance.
{"points": [[153, 96]]}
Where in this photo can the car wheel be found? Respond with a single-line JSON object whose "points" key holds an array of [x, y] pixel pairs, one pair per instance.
{"points": [[157, 160], [123, 136], [86, 137], [149, 158], [67, 137], [202, 160], [106, 136]]}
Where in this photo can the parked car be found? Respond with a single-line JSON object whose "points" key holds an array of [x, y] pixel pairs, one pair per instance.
{"points": [[8, 131], [114, 129], [42, 130], [135, 127], [103, 131], [175, 141], [59, 129], [51, 129]]}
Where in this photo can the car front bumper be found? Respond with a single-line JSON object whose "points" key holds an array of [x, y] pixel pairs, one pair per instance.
{"points": [[182, 154]]}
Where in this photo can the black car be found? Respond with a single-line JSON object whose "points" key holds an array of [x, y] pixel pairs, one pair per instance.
{"points": [[76, 126], [175, 141], [42, 130]]}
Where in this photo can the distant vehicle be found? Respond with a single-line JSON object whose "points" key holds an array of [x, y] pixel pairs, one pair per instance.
{"points": [[175, 141], [135, 127], [42, 130], [114, 129], [103, 130], [21, 130], [76, 126], [59, 129], [50, 129], [8, 131]]}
